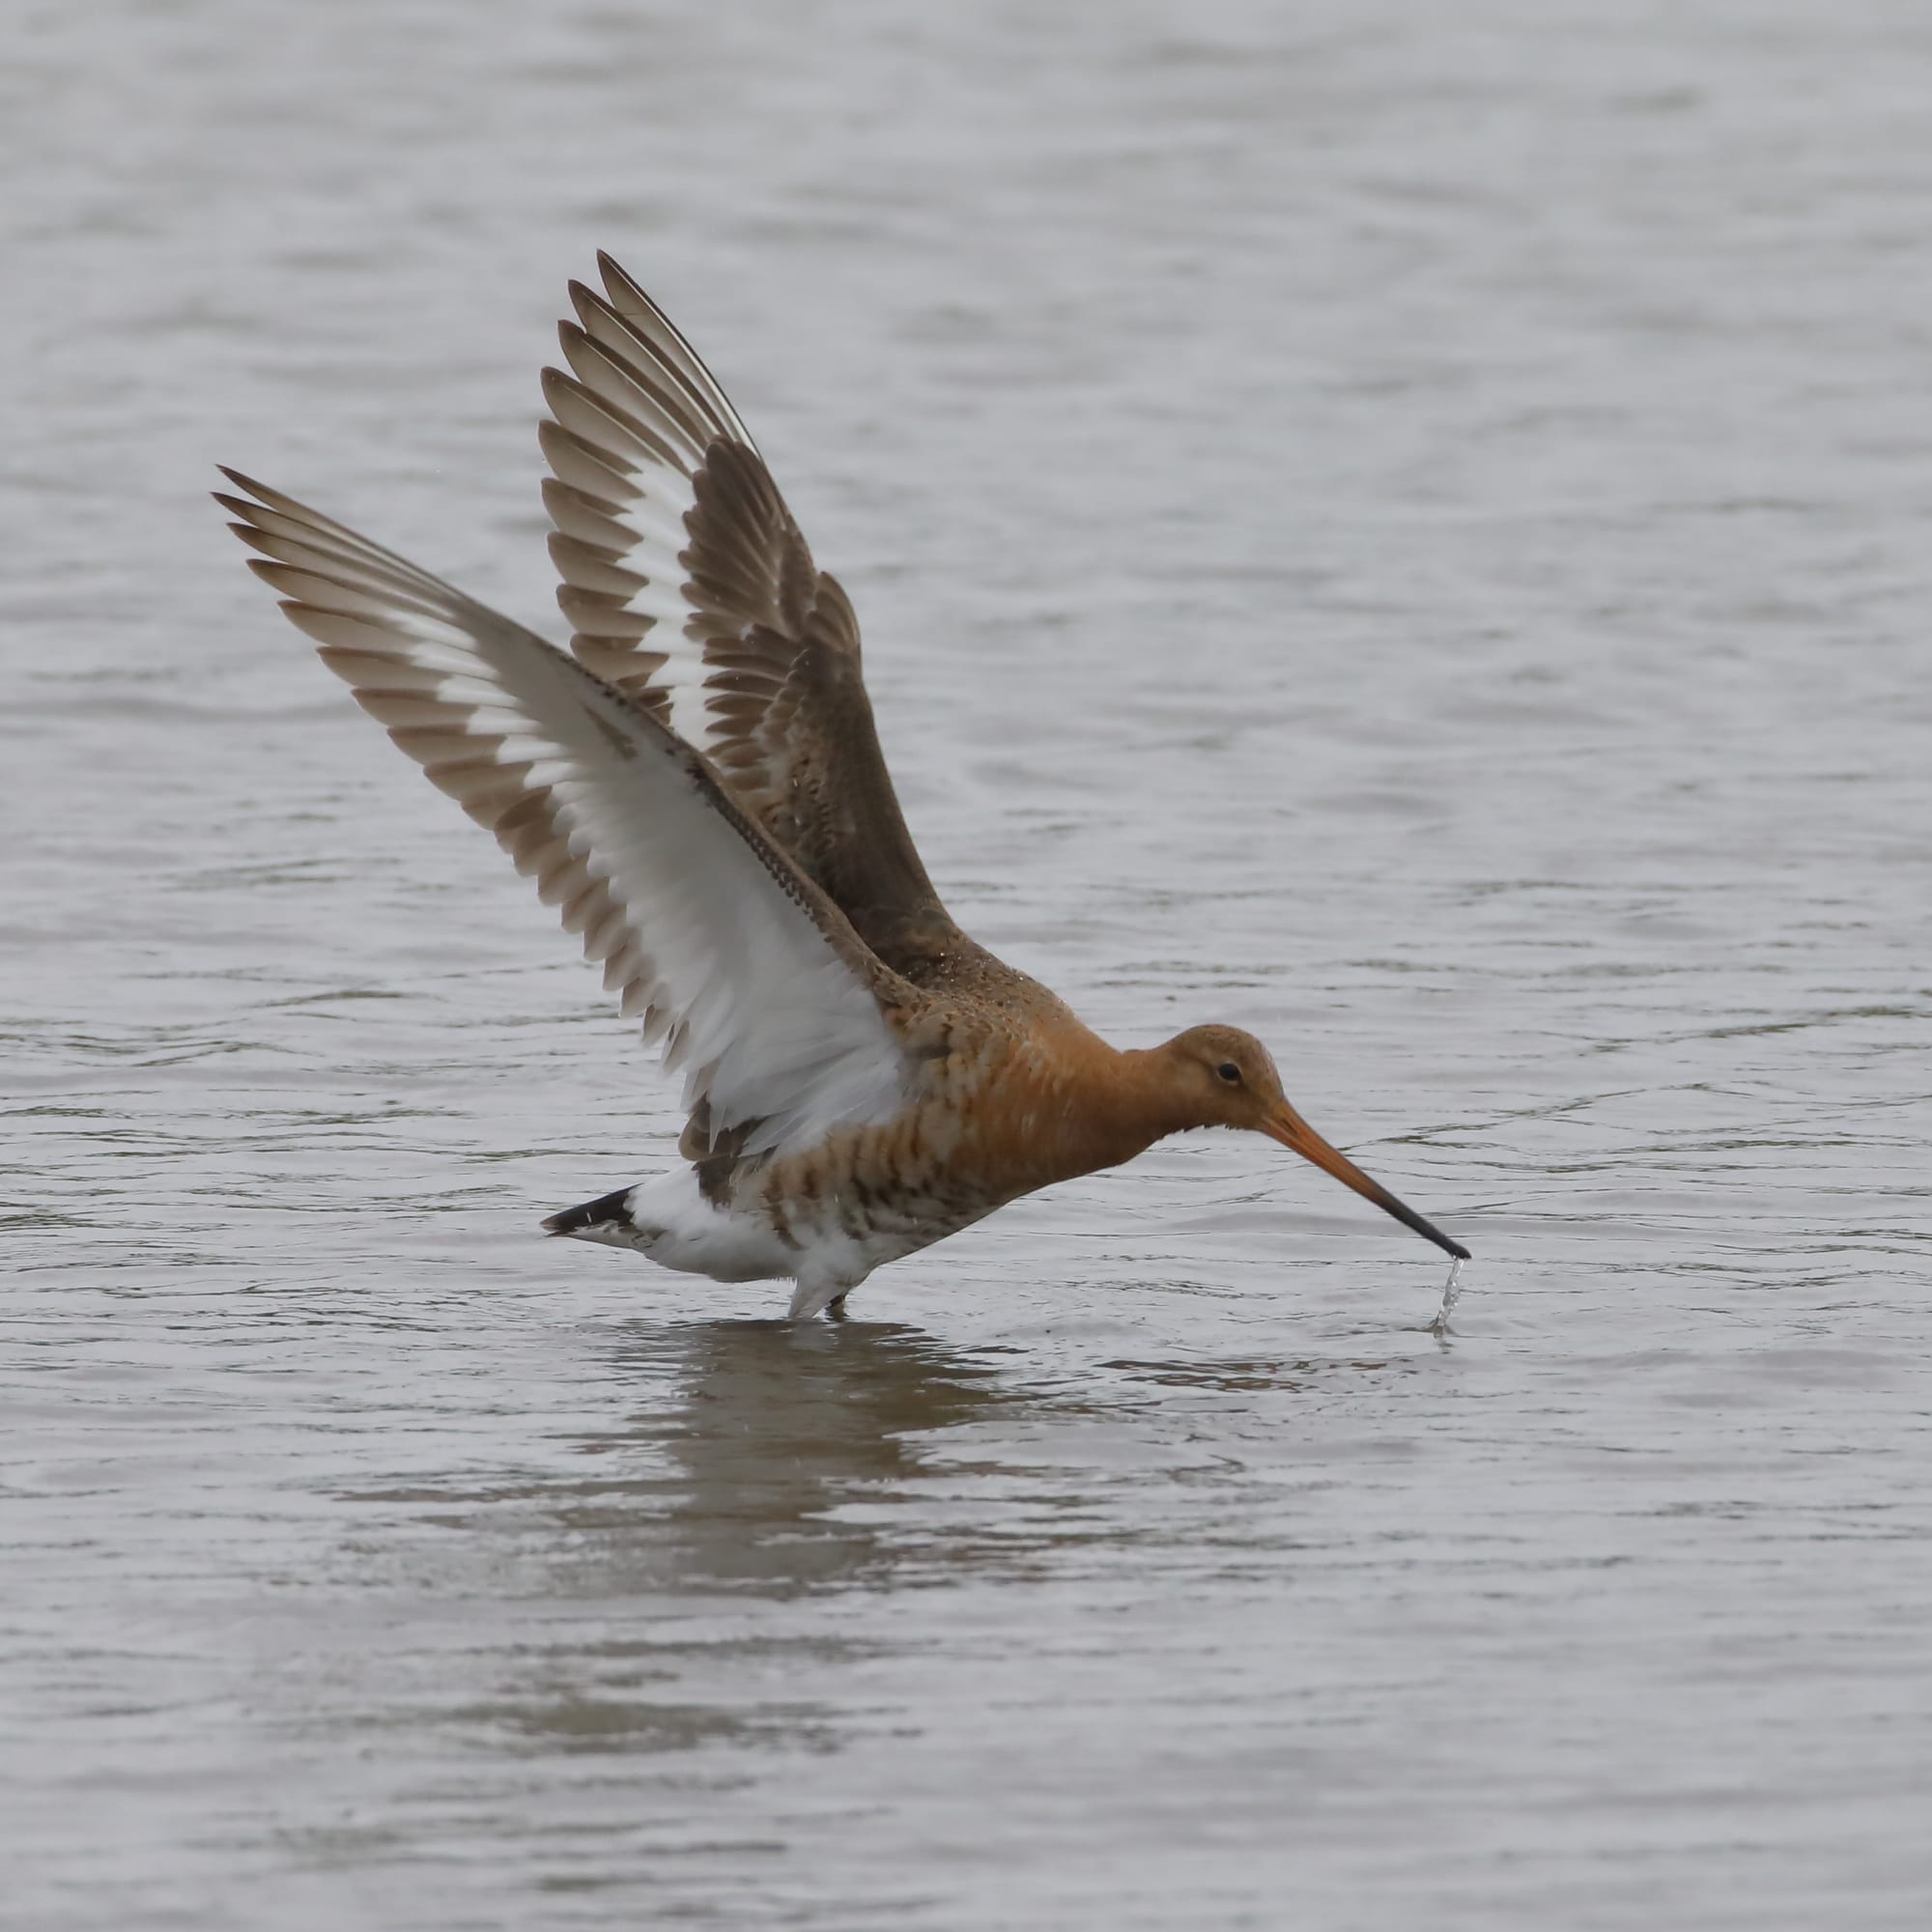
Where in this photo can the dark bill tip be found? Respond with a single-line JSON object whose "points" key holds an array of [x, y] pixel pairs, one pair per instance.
{"points": [[1293, 1133]]}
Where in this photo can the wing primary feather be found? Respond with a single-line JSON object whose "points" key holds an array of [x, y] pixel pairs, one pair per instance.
{"points": [[626, 300]]}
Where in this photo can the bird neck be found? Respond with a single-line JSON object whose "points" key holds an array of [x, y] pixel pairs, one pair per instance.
{"points": [[1069, 1104], [1152, 1098], [1126, 1102]]}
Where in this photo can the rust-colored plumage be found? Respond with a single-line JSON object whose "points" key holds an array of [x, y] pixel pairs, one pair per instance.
{"points": [[701, 793]]}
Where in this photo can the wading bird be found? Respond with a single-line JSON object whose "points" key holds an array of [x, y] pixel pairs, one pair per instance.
{"points": [[698, 788]]}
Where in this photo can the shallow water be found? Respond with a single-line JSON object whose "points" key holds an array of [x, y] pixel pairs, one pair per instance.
{"points": [[1407, 532]]}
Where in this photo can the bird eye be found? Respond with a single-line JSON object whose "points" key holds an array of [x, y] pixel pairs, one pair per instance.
{"points": [[1230, 1072]]}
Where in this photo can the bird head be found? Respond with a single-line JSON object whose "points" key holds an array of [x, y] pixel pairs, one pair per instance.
{"points": [[1226, 1078]]}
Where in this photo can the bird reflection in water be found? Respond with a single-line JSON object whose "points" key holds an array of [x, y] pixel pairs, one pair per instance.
{"points": [[762, 1430], [692, 1592]]}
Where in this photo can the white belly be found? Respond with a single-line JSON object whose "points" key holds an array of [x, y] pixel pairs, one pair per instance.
{"points": [[670, 1221]]}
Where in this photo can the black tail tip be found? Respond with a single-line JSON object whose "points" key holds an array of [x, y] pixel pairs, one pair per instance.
{"points": [[605, 1211]]}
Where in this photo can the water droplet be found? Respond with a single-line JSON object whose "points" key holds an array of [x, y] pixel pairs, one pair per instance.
{"points": [[1451, 1289]]}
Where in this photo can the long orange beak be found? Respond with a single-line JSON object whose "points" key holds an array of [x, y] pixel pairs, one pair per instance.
{"points": [[1288, 1127]]}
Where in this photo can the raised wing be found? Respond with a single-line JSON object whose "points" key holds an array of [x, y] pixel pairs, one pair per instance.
{"points": [[754, 980], [691, 589]]}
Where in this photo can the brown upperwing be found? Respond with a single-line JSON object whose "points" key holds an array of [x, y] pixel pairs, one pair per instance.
{"points": [[793, 733], [642, 431]]}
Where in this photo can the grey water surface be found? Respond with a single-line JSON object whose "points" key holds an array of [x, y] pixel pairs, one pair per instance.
{"points": [[1405, 528]]}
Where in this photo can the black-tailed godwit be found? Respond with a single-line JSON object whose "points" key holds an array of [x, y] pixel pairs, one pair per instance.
{"points": [[698, 788]]}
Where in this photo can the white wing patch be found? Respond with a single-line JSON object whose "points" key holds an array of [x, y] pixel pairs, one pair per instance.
{"points": [[632, 424], [753, 980]]}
